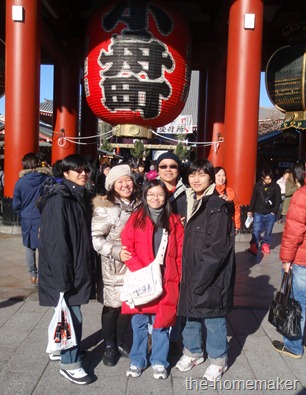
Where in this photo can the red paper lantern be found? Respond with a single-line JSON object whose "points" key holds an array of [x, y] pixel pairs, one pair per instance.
{"points": [[137, 63]]}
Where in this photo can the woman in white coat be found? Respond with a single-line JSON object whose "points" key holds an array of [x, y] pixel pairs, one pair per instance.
{"points": [[109, 217]]}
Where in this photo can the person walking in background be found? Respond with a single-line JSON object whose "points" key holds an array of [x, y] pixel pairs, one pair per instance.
{"points": [[100, 184], [140, 176], [290, 188], [282, 184], [293, 256], [109, 217], [229, 195], [26, 192], [152, 173], [208, 273], [264, 206], [142, 236], [65, 254]]}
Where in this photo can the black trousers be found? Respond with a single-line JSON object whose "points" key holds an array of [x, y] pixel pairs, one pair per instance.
{"points": [[114, 325]]}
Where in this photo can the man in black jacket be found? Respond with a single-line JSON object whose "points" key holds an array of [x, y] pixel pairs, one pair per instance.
{"points": [[65, 254], [264, 206]]}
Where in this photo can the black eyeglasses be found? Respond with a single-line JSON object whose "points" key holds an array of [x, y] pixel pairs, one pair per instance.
{"points": [[170, 167], [80, 170]]}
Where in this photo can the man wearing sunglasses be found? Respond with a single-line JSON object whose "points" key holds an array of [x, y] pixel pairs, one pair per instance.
{"points": [[168, 168]]}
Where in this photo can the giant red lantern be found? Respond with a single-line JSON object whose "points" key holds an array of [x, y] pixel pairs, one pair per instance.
{"points": [[137, 63]]}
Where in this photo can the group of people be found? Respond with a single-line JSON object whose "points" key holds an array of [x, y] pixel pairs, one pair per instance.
{"points": [[124, 226]]}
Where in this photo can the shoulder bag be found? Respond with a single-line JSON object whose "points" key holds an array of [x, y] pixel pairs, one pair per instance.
{"points": [[285, 312], [146, 284]]}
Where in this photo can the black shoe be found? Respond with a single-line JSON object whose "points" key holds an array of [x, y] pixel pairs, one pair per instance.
{"points": [[279, 347], [111, 356], [124, 351]]}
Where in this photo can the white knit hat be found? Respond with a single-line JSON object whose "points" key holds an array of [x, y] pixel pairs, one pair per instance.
{"points": [[115, 173]]}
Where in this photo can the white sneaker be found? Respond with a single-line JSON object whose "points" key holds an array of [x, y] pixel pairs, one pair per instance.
{"points": [[214, 372], [133, 371], [77, 376], [159, 372], [186, 363]]}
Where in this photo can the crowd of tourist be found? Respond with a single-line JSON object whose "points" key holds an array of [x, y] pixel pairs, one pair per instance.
{"points": [[92, 225]]}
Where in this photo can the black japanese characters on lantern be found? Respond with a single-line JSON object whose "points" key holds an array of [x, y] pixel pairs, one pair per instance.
{"points": [[137, 64]]}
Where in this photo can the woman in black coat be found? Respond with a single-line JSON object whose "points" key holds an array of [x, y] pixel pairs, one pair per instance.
{"points": [[208, 272], [65, 253]]}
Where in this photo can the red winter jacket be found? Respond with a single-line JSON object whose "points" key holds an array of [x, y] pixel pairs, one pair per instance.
{"points": [[140, 243], [293, 247]]}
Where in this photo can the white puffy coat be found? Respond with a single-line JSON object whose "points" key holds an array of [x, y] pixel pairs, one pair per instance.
{"points": [[107, 223]]}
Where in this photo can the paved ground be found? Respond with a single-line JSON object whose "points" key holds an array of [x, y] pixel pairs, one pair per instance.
{"points": [[254, 367]]}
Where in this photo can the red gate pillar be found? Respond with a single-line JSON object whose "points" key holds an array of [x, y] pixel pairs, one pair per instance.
{"points": [[21, 87], [215, 114], [66, 108], [242, 95]]}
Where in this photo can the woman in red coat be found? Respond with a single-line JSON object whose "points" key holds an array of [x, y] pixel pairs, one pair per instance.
{"points": [[142, 236]]}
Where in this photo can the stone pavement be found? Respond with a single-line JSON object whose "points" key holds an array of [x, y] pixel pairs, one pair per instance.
{"points": [[254, 367]]}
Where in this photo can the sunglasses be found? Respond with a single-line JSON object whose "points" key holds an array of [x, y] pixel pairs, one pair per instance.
{"points": [[80, 170], [163, 167]]}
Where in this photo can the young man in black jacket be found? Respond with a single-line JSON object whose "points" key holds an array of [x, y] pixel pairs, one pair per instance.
{"points": [[65, 254], [264, 206]]}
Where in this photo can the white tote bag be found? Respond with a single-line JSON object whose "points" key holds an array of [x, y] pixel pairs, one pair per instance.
{"points": [[61, 334], [146, 284]]}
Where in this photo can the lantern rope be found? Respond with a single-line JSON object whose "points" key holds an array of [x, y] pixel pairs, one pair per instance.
{"points": [[74, 139], [207, 143]]}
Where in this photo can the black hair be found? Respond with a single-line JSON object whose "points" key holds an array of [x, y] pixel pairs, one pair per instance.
{"points": [[298, 173], [31, 161], [73, 162], [267, 173], [202, 165], [163, 220], [57, 169], [218, 168]]}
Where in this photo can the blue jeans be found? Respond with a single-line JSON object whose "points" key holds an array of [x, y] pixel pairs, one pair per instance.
{"points": [[216, 339], [70, 358], [31, 261], [299, 290], [262, 223], [160, 342]]}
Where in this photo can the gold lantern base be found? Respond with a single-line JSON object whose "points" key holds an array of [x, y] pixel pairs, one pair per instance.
{"points": [[295, 119], [133, 131]]}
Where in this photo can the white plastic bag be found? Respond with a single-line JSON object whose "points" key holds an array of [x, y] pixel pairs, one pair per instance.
{"points": [[61, 334], [248, 222]]}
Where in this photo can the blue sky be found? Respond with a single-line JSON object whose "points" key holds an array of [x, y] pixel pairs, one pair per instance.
{"points": [[46, 88]]}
